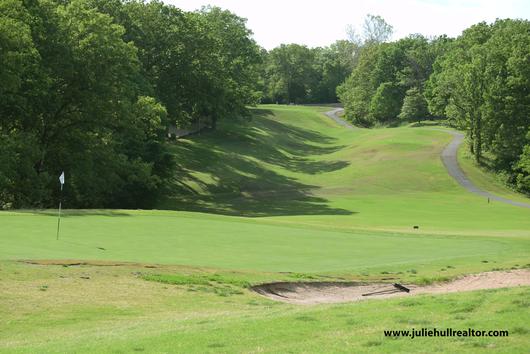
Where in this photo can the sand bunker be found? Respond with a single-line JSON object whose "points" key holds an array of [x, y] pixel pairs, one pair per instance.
{"points": [[307, 293]]}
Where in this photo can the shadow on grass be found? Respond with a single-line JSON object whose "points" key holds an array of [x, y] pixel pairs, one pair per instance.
{"points": [[74, 212], [425, 124], [239, 160]]}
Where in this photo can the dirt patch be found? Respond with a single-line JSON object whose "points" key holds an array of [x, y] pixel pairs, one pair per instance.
{"points": [[308, 293], [70, 263]]}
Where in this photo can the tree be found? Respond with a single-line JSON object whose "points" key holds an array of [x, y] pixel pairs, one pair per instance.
{"points": [[374, 30], [373, 92], [199, 65], [386, 102], [291, 73], [357, 91], [233, 65], [332, 66], [18, 149], [74, 109], [523, 168], [296, 73], [506, 103], [414, 106]]}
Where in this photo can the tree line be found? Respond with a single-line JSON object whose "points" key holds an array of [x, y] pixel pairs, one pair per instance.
{"points": [[293, 73], [89, 87], [481, 85]]}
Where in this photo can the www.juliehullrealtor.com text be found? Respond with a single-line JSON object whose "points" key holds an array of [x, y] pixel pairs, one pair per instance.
{"points": [[448, 332]]}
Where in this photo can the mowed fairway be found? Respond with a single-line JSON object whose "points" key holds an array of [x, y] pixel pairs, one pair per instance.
{"points": [[288, 196], [226, 242]]}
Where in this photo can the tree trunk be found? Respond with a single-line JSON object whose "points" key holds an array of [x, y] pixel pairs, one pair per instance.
{"points": [[472, 140], [214, 122], [478, 139]]}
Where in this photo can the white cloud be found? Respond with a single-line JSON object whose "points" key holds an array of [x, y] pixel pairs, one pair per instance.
{"points": [[319, 23]]}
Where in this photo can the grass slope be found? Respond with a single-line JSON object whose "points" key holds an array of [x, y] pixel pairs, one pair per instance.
{"points": [[484, 180], [287, 196], [296, 165]]}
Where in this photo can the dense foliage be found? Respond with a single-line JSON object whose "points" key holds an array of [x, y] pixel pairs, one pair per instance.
{"points": [[293, 73], [89, 87], [385, 74], [482, 85]]}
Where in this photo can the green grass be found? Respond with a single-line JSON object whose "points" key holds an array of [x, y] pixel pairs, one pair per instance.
{"points": [[288, 196], [487, 181], [293, 165], [244, 244], [118, 312]]}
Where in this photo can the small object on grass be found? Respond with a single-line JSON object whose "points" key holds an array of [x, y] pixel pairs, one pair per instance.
{"points": [[415, 227], [85, 277], [100, 248], [397, 288], [401, 287]]}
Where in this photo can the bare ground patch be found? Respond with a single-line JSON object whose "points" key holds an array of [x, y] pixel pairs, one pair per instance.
{"points": [[308, 293], [74, 262]]}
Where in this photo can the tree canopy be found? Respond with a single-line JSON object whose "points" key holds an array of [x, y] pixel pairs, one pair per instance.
{"points": [[90, 86], [294, 73], [481, 85]]}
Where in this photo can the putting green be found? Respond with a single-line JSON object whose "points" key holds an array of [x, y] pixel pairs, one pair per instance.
{"points": [[235, 243]]}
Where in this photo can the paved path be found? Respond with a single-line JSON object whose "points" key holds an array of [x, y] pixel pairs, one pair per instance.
{"points": [[449, 159], [333, 114]]}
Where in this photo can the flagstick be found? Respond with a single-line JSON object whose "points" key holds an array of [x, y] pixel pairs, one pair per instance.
{"points": [[59, 219]]}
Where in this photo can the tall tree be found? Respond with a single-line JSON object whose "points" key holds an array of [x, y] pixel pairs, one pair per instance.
{"points": [[234, 65], [414, 106], [291, 73], [374, 30]]}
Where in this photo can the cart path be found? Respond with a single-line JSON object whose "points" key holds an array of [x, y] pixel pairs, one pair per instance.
{"points": [[333, 114], [449, 159]]}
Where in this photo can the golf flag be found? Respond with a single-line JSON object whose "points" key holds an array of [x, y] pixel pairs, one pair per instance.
{"points": [[61, 180]]}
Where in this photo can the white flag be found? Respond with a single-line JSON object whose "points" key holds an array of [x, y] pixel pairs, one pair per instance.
{"points": [[61, 178]]}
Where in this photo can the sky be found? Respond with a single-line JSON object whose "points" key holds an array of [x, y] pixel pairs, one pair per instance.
{"points": [[320, 23]]}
